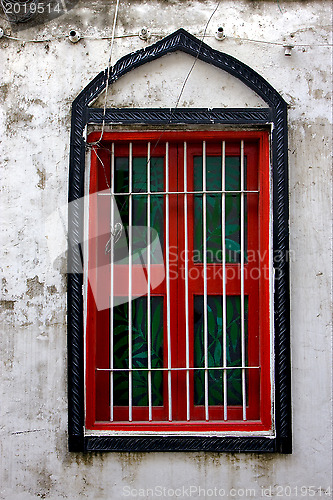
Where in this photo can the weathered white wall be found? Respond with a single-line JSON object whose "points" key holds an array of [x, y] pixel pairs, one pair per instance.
{"points": [[38, 83]]}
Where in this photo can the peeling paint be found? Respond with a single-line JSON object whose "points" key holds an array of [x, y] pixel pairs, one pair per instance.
{"points": [[7, 305], [34, 287], [42, 178]]}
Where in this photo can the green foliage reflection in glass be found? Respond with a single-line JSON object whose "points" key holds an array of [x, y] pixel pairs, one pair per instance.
{"points": [[214, 208], [139, 211], [139, 352], [215, 349]]}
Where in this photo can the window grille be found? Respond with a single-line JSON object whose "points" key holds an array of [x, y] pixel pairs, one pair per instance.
{"points": [[187, 345]]}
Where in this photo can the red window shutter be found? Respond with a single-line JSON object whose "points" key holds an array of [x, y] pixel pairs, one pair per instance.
{"points": [[254, 378]]}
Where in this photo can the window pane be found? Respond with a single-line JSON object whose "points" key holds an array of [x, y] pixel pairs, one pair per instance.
{"points": [[214, 209], [120, 354], [139, 221], [157, 174], [139, 352], [139, 179], [121, 175], [139, 216], [198, 228], [157, 329], [233, 174], [232, 228], [121, 186], [157, 203], [139, 174], [157, 223], [120, 248], [215, 348]]}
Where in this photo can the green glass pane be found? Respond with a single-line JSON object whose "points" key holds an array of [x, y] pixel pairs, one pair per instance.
{"points": [[140, 230], [139, 206], [139, 215], [214, 228], [198, 228], [157, 174], [121, 175], [139, 174], [232, 228], [214, 210], [139, 352], [197, 173], [121, 246], [120, 392], [157, 205], [234, 352], [120, 354], [122, 205], [121, 186], [213, 173], [214, 320], [215, 348], [157, 329], [232, 173], [198, 218], [234, 385], [157, 223]]}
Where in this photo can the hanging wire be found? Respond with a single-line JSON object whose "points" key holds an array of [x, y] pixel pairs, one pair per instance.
{"points": [[277, 43], [181, 90], [186, 78], [97, 143], [182, 87], [278, 2], [133, 35], [108, 73], [198, 53], [102, 163], [158, 35]]}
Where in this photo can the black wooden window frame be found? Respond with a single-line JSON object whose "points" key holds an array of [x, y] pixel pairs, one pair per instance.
{"points": [[274, 117]]}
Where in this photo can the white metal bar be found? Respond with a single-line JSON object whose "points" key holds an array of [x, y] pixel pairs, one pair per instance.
{"points": [[179, 368], [130, 245], [148, 284], [242, 284], [167, 251], [112, 200], [187, 333], [204, 201], [224, 293], [183, 192]]}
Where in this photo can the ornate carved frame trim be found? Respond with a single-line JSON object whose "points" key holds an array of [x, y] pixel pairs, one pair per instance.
{"points": [[274, 115]]}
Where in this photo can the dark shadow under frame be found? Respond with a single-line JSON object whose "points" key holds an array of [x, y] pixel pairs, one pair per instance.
{"points": [[276, 115]]}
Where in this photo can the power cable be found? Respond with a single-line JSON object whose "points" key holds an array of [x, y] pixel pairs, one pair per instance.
{"points": [[108, 72]]}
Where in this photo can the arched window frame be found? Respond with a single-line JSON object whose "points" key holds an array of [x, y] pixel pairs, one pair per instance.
{"points": [[275, 117]]}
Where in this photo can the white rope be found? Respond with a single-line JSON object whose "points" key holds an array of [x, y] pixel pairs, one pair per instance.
{"points": [[108, 74], [198, 53]]}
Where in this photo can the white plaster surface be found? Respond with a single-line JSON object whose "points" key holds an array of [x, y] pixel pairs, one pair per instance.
{"points": [[158, 84], [38, 82]]}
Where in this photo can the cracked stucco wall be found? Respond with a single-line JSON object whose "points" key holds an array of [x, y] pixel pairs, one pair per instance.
{"points": [[38, 83]]}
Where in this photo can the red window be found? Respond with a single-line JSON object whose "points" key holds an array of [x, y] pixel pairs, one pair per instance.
{"points": [[178, 323]]}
